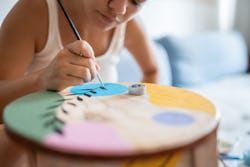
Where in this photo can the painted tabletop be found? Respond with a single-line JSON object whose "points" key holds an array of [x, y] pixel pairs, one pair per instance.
{"points": [[87, 119]]}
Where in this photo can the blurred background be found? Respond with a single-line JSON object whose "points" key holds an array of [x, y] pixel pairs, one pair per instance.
{"points": [[203, 46], [182, 17]]}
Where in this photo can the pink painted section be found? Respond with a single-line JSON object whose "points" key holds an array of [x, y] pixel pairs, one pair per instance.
{"points": [[88, 138]]}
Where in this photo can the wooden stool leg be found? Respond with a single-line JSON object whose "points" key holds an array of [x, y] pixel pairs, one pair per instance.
{"points": [[52, 159], [205, 154]]}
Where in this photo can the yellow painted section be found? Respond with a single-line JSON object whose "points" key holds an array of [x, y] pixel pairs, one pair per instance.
{"points": [[154, 161], [167, 96], [173, 97], [174, 160]]}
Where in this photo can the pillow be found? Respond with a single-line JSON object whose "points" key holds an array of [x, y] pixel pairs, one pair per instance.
{"points": [[129, 71], [204, 57]]}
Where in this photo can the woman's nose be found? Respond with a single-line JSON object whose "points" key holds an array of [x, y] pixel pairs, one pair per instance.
{"points": [[118, 7]]}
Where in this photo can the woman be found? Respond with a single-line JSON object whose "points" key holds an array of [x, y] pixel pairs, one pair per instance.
{"points": [[39, 51]]}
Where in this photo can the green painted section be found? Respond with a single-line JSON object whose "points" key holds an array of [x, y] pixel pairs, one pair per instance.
{"points": [[32, 116]]}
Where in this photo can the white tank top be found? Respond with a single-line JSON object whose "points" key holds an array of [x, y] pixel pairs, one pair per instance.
{"points": [[108, 61]]}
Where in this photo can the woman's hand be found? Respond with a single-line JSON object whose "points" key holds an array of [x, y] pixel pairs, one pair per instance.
{"points": [[73, 65]]}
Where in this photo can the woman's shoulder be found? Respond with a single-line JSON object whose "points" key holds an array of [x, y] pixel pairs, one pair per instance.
{"points": [[26, 12], [28, 18], [26, 23]]}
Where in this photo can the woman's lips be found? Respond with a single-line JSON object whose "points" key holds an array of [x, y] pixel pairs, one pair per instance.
{"points": [[108, 19]]}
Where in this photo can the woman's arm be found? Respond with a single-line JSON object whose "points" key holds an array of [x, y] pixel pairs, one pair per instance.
{"points": [[140, 47], [20, 36], [17, 45]]}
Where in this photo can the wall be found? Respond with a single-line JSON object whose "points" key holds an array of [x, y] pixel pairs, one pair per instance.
{"points": [[227, 10], [242, 21], [179, 17]]}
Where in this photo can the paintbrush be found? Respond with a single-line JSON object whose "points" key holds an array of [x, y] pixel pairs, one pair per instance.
{"points": [[77, 36]]}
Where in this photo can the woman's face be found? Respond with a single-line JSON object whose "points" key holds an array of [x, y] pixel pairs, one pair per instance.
{"points": [[106, 14]]}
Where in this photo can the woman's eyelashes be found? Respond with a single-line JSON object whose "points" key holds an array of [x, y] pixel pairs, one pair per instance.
{"points": [[137, 3]]}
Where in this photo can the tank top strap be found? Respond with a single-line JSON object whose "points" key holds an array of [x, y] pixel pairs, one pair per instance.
{"points": [[53, 38], [54, 33], [53, 43]]}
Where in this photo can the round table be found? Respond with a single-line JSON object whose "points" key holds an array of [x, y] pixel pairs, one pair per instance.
{"points": [[90, 126]]}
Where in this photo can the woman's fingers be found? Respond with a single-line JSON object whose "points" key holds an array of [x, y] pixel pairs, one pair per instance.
{"points": [[81, 72], [81, 48], [79, 65], [69, 68]]}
